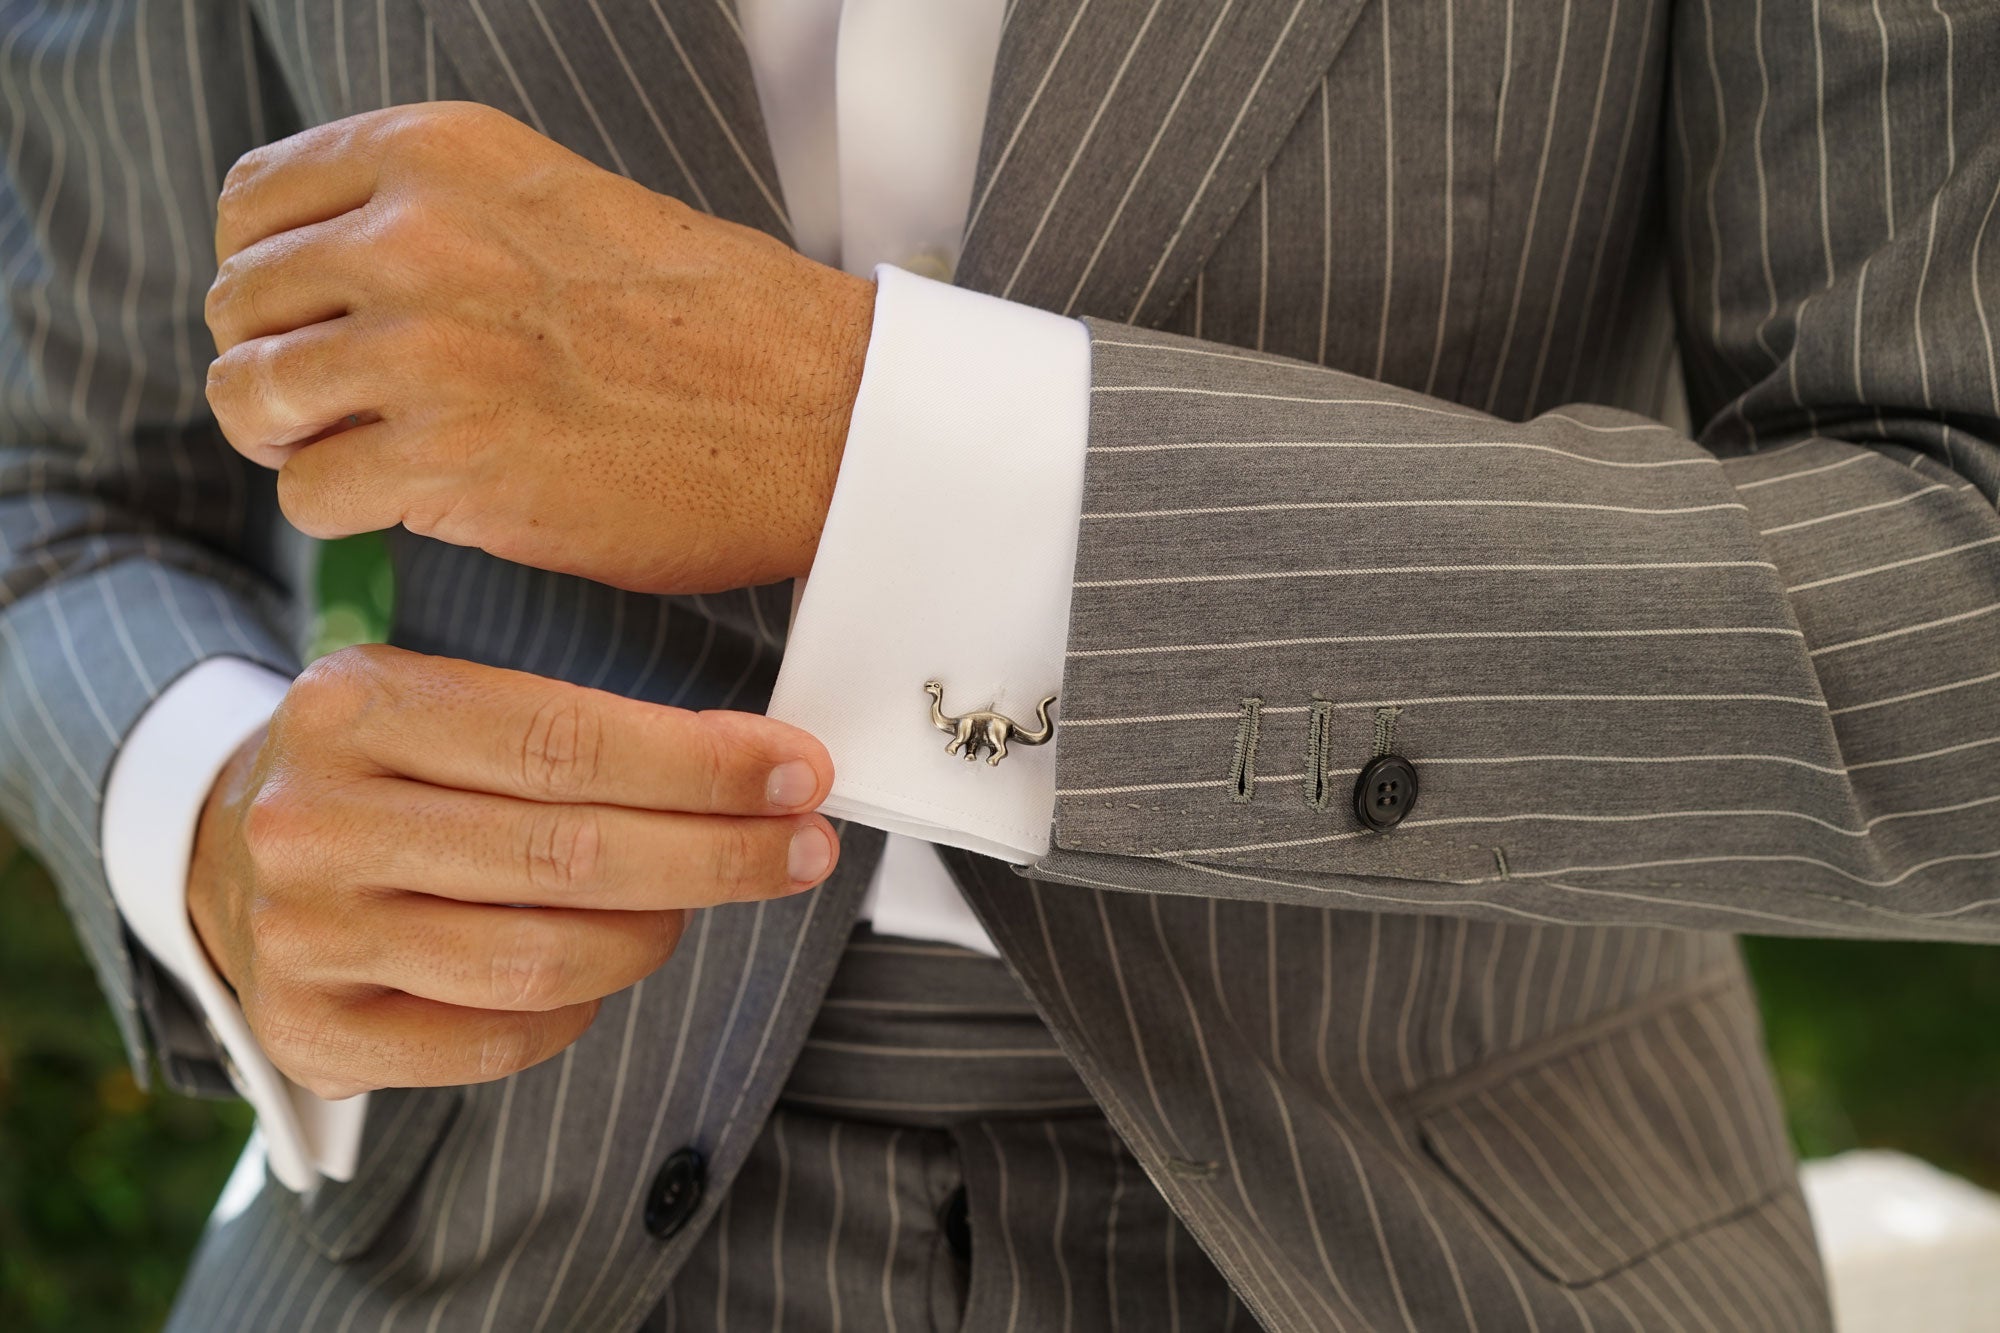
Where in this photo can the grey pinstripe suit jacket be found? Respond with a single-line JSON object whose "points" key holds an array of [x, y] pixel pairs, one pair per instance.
{"points": [[1664, 673]]}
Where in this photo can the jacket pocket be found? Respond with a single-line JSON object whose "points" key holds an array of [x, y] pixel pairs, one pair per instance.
{"points": [[1597, 1148], [343, 1218]]}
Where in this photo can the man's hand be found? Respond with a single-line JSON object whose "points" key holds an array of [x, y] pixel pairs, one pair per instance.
{"points": [[434, 316], [430, 872]]}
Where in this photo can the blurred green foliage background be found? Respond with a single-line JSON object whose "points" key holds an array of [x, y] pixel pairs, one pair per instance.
{"points": [[103, 1189]]}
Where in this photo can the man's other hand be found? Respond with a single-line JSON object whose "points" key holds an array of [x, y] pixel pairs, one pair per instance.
{"points": [[431, 872], [434, 316]]}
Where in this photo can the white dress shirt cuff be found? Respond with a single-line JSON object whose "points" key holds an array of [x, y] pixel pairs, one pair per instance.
{"points": [[947, 555], [152, 806]]}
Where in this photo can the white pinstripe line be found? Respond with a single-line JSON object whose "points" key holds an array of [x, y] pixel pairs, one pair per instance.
{"points": [[781, 1140], [1776, 858], [1006, 1229], [1610, 214], [935, 1052], [507, 67], [1905, 631], [652, 115], [383, 96], [606, 1137], [1232, 714], [55, 733], [1326, 208], [1204, 784], [1850, 513], [839, 1208], [1529, 233], [1111, 88], [1893, 564], [1308, 505], [1388, 221], [1849, 461], [534, 1222], [1146, 160], [1219, 1108], [722, 124], [889, 1321], [1027, 112], [1426, 636], [1136, 1129], [1979, 303], [1375, 570], [1432, 903], [701, 928], [1057, 1242], [1408, 446], [787, 975], [1572, 817], [1894, 699]]}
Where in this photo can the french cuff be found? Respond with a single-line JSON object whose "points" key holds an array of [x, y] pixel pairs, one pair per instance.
{"points": [[152, 807], [947, 555]]}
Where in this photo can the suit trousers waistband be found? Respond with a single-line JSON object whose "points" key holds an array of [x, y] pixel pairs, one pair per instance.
{"points": [[928, 1035], [935, 1165]]}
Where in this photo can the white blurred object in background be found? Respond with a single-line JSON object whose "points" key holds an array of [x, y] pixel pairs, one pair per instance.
{"points": [[1908, 1248]]}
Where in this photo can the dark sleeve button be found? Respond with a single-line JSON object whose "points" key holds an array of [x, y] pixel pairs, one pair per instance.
{"points": [[1385, 791], [676, 1193]]}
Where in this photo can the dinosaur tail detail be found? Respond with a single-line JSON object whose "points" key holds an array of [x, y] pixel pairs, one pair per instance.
{"points": [[1047, 730]]}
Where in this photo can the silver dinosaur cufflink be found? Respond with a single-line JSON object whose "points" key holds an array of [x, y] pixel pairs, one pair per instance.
{"points": [[985, 729]]}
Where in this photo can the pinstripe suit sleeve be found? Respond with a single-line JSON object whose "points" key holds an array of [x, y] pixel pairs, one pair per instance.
{"points": [[1748, 680], [133, 543]]}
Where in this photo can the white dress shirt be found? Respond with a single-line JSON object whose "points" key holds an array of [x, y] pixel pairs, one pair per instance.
{"points": [[947, 552]]}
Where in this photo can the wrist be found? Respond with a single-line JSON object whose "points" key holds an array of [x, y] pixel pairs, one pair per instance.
{"points": [[849, 313], [210, 912]]}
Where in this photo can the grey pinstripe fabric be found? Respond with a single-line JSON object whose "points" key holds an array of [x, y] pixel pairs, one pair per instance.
{"points": [[949, 1081], [1455, 1077]]}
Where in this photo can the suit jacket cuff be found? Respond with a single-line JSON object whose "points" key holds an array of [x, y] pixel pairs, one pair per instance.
{"points": [[947, 556]]}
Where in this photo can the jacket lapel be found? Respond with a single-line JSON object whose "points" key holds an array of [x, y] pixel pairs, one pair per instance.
{"points": [[658, 90], [1123, 135]]}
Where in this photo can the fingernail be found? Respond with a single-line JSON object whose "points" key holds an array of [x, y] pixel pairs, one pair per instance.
{"points": [[791, 785], [811, 855]]}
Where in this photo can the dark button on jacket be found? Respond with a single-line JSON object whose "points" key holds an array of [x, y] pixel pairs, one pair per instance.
{"points": [[1385, 791], [676, 1193]]}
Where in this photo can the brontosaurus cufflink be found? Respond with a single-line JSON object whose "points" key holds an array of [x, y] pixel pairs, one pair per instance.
{"points": [[970, 732]]}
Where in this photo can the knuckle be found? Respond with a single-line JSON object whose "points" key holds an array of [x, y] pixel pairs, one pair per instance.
{"points": [[739, 857], [712, 758], [229, 386], [242, 175], [303, 1043], [335, 686], [564, 848], [272, 820], [332, 704], [503, 1048], [222, 291], [562, 748], [448, 120], [528, 975], [303, 504], [415, 237]]}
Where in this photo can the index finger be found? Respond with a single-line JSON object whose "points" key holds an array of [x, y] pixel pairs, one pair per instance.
{"points": [[314, 175], [479, 728]]}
